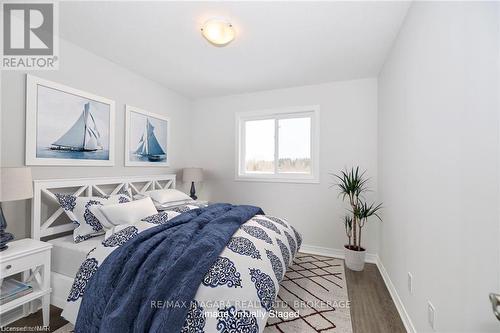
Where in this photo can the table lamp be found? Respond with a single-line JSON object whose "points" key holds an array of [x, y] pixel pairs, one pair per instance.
{"points": [[15, 184], [192, 175]]}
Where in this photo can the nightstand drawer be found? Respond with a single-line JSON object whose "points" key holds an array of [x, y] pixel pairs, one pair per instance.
{"points": [[21, 264]]}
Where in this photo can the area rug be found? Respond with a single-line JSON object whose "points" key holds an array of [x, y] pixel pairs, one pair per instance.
{"points": [[312, 298]]}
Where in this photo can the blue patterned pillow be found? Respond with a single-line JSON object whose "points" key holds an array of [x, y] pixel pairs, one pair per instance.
{"points": [[79, 212]]}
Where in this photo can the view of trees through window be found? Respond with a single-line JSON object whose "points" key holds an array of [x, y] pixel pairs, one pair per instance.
{"points": [[294, 145], [259, 146]]}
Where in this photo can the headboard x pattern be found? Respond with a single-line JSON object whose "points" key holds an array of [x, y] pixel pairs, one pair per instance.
{"points": [[46, 189]]}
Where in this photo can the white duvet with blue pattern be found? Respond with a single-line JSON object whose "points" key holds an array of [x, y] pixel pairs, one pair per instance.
{"points": [[237, 292]]}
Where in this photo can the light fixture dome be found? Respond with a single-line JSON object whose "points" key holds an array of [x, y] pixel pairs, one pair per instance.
{"points": [[218, 31]]}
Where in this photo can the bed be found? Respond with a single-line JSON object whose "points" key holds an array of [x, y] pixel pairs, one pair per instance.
{"points": [[49, 223], [238, 289], [67, 255]]}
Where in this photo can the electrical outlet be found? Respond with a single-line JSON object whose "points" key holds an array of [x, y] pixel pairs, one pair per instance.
{"points": [[431, 315], [410, 283]]}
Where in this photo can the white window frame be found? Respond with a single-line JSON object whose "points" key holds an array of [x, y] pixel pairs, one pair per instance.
{"points": [[311, 111]]}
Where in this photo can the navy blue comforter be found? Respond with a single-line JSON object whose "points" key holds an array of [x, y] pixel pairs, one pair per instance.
{"points": [[164, 263]]}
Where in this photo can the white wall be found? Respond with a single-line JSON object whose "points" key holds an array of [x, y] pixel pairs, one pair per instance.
{"points": [[434, 155], [438, 163], [314, 209], [86, 71]]}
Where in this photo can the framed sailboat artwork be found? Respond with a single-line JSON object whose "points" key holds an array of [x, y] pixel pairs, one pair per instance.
{"points": [[66, 126], [146, 138]]}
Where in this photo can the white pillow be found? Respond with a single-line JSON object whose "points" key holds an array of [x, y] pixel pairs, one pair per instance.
{"points": [[166, 205], [129, 212], [96, 211], [168, 195]]}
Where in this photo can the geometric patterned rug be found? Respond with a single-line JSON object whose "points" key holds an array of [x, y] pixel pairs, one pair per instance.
{"points": [[312, 297]]}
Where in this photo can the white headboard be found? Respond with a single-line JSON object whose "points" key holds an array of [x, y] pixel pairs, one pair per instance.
{"points": [[44, 194]]}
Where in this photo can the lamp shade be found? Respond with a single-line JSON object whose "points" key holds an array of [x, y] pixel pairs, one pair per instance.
{"points": [[192, 175], [15, 184]]}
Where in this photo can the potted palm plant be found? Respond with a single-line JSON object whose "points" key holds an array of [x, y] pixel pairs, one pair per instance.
{"points": [[352, 186]]}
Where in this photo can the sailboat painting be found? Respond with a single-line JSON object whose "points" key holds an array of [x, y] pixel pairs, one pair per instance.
{"points": [[69, 127], [83, 136], [146, 139]]}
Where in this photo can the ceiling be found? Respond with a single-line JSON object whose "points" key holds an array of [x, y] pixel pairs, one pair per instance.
{"points": [[278, 44]]}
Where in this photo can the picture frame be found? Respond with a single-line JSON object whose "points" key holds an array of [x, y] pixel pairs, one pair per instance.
{"points": [[147, 138], [68, 127]]}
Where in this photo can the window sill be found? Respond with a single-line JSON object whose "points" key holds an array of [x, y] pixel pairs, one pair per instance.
{"points": [[277, 179]]}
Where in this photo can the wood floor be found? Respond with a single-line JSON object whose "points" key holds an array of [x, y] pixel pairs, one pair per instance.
{"points": [[35, 319], [372, 309]]}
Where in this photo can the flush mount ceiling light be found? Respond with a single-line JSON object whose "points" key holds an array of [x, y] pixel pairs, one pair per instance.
{"points": [[218, 31]]}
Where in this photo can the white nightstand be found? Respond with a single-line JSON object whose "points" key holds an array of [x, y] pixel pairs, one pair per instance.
{"points": [[31, 258]]}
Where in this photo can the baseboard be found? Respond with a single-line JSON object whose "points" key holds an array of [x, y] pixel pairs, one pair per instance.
{"points": [[336, 253], [405, 317], [374, 259]]}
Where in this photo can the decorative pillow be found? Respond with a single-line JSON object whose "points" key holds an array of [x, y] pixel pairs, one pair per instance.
{"points": [[129, 212], [185, 207], [166, 215], [96, 210], [78, 210], [168, 205], [167, 195]]}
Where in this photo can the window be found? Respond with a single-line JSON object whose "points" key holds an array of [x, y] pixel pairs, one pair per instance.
{"points": [[278, 145]]}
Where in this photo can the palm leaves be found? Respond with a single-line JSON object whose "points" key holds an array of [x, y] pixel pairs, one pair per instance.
{"points": [[364, 211], [352, 184], [348, 227]]}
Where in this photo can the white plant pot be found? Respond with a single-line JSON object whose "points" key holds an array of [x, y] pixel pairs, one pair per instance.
{"points": [[354, 260]]}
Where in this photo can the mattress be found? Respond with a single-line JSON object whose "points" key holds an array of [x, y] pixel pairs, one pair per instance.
{"points": [[67, 255]]}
